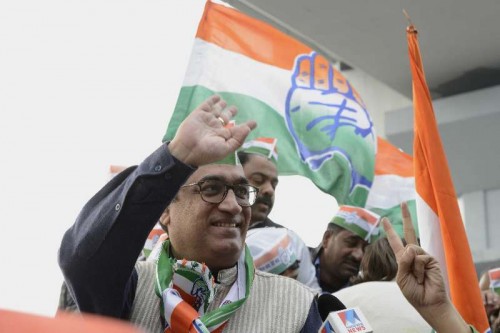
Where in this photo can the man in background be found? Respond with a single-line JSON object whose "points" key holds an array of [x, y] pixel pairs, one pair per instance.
{"points": [[338, 257]]}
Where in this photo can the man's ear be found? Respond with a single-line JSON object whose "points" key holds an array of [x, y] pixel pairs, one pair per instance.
{"points": [[165, 219], [326, 236]]}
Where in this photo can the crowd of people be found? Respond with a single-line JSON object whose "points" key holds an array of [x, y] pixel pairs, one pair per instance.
{"points": [[222, 264]]}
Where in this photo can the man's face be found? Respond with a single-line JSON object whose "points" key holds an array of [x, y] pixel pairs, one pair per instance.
{"points": [[205, 232], [342, 253], [261, 173]]}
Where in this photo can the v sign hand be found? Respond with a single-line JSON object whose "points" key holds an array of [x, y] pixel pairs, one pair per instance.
{"points": [[420, 280]]}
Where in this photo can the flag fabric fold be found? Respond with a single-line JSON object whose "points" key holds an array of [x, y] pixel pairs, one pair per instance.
{"points": [[442, 231], [394, 183]]}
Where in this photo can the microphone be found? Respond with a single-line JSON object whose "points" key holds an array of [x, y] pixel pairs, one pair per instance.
{"points": [[349, 320], [328, 303]]}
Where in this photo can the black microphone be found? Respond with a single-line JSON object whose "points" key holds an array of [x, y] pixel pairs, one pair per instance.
{"points": [[328, 303]]}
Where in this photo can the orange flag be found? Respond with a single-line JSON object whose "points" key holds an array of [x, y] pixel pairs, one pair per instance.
{"points": [[442, 232], [21, 322]]}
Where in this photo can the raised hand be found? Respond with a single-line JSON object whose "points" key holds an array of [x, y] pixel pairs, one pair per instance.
{"points": [[420, 280], [203, 138], [419, 275]]}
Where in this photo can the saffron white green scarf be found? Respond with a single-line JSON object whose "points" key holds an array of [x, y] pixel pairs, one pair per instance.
{"points": [[186, 289]]}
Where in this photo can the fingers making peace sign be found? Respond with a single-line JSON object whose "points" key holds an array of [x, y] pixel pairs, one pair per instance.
{"points": [[420, 280], [419, 275]]}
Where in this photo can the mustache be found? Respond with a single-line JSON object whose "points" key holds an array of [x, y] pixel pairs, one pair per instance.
{"points": [[264, 200]]}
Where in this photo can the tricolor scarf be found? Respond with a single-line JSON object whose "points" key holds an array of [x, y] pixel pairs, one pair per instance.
{"points": [[186, 289]]}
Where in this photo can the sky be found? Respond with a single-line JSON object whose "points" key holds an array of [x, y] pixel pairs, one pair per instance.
{"points": [[85, 84]]}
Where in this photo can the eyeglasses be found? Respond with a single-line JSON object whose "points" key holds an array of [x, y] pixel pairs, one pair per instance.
{"points": [[215, 191]]}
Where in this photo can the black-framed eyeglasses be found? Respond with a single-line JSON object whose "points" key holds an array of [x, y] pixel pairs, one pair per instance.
{"points": [[215, 191]]}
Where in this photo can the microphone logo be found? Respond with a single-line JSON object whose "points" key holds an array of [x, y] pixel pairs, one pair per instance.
{"points": [[351, 320]]}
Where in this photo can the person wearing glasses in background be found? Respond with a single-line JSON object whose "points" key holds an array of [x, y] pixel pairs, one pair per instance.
{"points": [[203, 279]]}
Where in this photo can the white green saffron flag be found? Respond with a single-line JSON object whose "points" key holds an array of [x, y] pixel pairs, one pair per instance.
{"points": [[394, 183], [323, 129]]}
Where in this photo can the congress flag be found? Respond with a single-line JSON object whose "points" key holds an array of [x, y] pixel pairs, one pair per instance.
{"points": [[323, 129], [442, 232]]}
